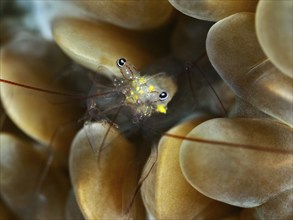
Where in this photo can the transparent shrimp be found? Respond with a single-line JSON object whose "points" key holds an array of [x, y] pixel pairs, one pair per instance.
{"points": [[140, 97], [141, 94]]}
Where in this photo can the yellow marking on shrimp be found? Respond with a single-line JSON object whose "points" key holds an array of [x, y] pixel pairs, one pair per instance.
{"points": [[143, 93], [151, 88], [142, 80], [161, 109]]}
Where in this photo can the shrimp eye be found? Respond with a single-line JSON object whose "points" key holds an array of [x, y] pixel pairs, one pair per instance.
{"points": [[120, 62], [163, 96]]}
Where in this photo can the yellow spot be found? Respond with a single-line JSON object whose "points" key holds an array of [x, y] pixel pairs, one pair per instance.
{"points": [[137, 88], [136, 97], [141, 91], [128, 99], [142, 80], [151, 88], [161, 109]]}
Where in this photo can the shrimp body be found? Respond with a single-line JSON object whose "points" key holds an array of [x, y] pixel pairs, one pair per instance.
{"points": [[141, 93]]}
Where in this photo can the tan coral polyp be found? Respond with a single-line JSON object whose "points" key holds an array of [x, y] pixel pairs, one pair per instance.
{"points": [[212, 10], [274, 23], [45, 117], [234, 51], [21, 187], [137, 15], [247, 174], [98, 45], [278, 207], [166, 193], [99, 182]]}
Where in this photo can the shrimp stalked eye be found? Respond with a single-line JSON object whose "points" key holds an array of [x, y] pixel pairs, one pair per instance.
{"points": [[163, 96], [143, 94], [127, 70], [120, 62]]}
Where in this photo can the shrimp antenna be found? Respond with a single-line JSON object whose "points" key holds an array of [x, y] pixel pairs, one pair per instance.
{"points": [[189, 66], [81, 97], [111, 124], [50, 159], [36, 88], [142, 179], [228, 144]]}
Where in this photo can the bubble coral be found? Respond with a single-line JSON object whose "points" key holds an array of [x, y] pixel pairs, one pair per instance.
{"points": [[207, 164]]}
